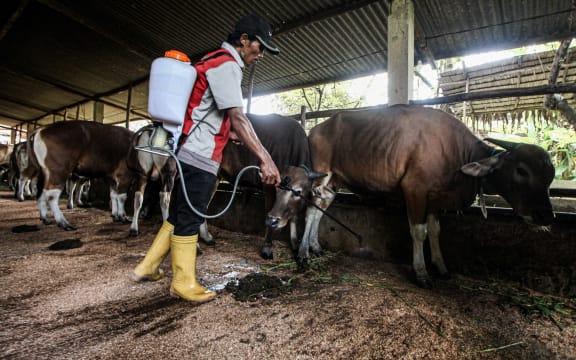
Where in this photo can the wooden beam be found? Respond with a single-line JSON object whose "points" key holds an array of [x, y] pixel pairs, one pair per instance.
{"points": [[559, 58], [513, 92], [13, 18]]}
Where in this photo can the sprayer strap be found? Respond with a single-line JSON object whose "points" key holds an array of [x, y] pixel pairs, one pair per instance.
{"points": [[214, 55]]}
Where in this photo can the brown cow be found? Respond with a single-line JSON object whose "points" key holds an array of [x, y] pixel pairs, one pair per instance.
{"points": [[426, 155], [154, 167], [87, 149], [23, 175]]}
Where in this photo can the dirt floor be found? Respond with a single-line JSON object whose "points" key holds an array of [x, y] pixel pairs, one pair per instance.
{"points": [[78, 302]]}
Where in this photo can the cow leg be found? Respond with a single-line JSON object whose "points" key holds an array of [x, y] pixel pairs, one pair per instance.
{"points": [[267, 251], [165, 204], [313, 216], [203, 232], [323, 197], [122, 208], [138, 201], [118, 210], [43, 208], [434, 237], [31, 187], [205, 235], [418, 233], [70, 188], [84, 193], [22, 184], [53, 196], [326, 196], [294, 234]]}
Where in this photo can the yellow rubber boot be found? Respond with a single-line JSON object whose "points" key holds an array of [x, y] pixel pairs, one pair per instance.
{"points": [[149, 267], [184, 284]]}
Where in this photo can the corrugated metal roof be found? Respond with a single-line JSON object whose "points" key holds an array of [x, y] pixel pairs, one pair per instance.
{"points": [[58, 55]]}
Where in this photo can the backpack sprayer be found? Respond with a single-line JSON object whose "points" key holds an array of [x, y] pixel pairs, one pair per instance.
{"points": [[171, 82]]}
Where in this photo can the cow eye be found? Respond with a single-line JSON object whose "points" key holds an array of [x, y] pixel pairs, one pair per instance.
{"points": [[522, 172]]}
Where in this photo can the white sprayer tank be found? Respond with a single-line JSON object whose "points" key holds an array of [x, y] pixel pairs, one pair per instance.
{"points": [[171, 81]]}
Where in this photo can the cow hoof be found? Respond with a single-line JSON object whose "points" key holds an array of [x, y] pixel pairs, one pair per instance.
{"points": [[67, 227], [133, 233], [209, 242], [424, 282], [46, 221], [446, 276], [267, 254], [303, 265], [318, 253]]}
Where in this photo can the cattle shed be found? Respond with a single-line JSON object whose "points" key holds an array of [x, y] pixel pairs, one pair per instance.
{"points": [[69, 294]]}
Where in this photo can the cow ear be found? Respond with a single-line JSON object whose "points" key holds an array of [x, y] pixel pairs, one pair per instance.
{"points": [[481, 167], [312, 175]]}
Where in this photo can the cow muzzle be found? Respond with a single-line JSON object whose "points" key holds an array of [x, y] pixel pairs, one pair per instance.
{"points": [[274, 222]]}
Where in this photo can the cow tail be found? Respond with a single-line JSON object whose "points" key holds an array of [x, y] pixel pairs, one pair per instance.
{"points": [[32, 161], [40, 184], [132, 157]]}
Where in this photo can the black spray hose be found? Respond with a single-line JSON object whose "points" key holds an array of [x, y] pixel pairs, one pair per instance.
{"points": [[165, 152]]}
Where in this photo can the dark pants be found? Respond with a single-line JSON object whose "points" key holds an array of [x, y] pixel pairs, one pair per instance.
{"points": [[199, 186]]}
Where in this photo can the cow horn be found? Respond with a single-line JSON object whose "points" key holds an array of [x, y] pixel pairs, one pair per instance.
{"points": [[508, 145], [313, 175]]}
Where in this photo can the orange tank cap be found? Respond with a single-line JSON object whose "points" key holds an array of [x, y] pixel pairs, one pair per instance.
{"points": [[178, 55]]}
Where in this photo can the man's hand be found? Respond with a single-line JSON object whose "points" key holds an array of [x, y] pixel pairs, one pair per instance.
{"points": [[270, 174]]}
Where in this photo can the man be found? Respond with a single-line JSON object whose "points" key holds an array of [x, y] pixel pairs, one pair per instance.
{"points": [[215, 114]]}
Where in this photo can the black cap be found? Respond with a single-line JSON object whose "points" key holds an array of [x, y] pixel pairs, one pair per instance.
{"points": [[254, 25]]}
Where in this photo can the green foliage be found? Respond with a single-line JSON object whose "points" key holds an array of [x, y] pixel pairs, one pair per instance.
{"points": [[559, 142], [316, 98]]}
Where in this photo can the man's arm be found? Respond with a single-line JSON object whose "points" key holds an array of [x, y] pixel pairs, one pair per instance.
{"points": [[243, 128]]}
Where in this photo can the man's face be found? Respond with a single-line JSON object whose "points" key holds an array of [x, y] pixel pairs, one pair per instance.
{"points": [[253, 51]]}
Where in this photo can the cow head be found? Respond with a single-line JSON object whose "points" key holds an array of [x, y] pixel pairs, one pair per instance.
{"points": [[522, 175], [296, 186]]}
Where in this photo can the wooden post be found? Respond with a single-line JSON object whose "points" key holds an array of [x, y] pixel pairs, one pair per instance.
{"points": [[98, 111], [400, 52], [250, 88], [303, 116], [128, 107]]}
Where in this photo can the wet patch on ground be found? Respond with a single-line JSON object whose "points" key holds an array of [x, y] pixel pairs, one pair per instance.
{"points": [[66, 244], [25, 228], [258, 286]]}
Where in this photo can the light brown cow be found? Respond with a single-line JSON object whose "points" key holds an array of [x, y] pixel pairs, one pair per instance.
{"points": [[427, 156]]}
